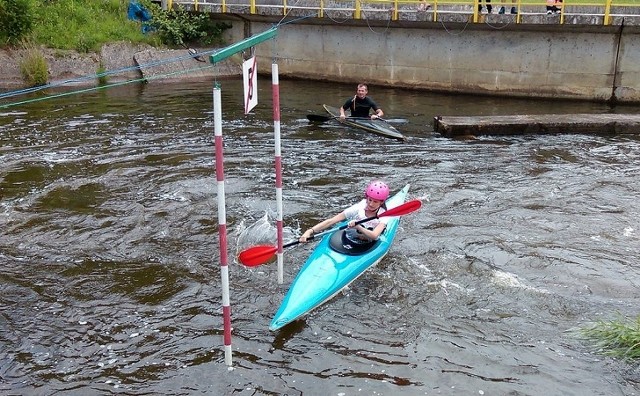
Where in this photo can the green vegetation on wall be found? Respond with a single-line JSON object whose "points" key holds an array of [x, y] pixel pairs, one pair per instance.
{"points": [[85, 25], [34, 68], [16, 19]]}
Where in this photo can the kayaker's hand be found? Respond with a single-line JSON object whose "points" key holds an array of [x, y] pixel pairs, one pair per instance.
{"points": [[374, 116], [352, 224], [342, 116], [304, 238]]}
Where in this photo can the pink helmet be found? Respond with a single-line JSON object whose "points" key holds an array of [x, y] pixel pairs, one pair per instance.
{"points": [[377, 190]]}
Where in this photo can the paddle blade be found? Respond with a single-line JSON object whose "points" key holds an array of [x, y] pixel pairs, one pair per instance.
{"points": [[405, 208], [397, 120], [318, 118], [257, 255]]}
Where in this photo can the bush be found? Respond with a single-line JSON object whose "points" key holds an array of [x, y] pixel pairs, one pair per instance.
{"points": [[176, 27], [34, 68], [16, 17], [86, 44]]}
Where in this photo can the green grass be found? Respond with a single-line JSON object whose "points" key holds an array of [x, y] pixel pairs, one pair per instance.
{"points": [[85, 25], [619, 338]]}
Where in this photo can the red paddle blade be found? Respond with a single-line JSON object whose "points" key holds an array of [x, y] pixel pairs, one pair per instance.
{"points": [[257, 255], [403, 209]]}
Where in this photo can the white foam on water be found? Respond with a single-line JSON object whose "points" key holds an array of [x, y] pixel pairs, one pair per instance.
{"points": [[446, 285], [507, 279]]}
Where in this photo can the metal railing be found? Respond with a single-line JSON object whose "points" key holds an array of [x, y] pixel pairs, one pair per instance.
{"points": [[605, 12]]}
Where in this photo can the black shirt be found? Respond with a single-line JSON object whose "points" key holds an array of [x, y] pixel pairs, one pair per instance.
{"points": [[361, 107]]}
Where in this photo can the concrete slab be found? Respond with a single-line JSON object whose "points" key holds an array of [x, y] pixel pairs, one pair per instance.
{"points": [[598, 124]]}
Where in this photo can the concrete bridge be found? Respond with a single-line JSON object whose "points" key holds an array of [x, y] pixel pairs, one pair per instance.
{"points": [[586, 53], [600, 12]]}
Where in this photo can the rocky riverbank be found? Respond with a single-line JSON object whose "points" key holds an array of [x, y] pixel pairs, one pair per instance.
{"points": [[123, 61]]}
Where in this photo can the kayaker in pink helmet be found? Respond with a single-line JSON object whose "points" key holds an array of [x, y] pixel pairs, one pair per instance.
{"points": [[372, 205]]}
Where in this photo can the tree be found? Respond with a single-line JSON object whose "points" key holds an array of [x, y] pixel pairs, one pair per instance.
{"points": [[16, 16]]}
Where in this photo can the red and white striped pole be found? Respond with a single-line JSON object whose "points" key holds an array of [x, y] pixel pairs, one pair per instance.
{"points": [[222, 223], [275, 92]]}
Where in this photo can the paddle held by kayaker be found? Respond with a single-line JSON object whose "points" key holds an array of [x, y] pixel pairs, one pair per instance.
{"points": [[361, 105], [372, 205]]}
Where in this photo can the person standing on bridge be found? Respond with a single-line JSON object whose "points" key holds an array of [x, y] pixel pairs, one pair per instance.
{"points": [[513, 7], [554, 7], [487, 3], [361, 104]]}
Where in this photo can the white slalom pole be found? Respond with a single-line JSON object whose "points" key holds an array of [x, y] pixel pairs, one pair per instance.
{"points": [[222, 224], [275, 89]]}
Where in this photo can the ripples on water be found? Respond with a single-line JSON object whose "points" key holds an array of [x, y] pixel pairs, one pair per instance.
{"points": [[109, 253]]}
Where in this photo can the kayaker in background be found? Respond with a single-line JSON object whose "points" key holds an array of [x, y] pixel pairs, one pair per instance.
{"points": [[373, 205], [361, 105]]}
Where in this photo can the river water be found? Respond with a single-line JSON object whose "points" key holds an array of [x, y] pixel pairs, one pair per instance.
{"points": [[109, 253]]}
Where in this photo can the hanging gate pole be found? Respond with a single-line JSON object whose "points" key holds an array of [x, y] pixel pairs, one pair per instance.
{"points": [[222, 224], [222, 216], [275, 93]]}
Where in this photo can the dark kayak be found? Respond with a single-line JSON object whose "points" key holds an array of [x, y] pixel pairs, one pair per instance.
{"points": [[379, 127]]}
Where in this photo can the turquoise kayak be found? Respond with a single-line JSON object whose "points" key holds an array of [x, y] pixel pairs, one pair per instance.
{"points": [[331, 267]]}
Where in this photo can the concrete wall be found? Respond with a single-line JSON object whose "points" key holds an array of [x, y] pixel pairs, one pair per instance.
{"points": [[600, 63], [628, 69]]}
